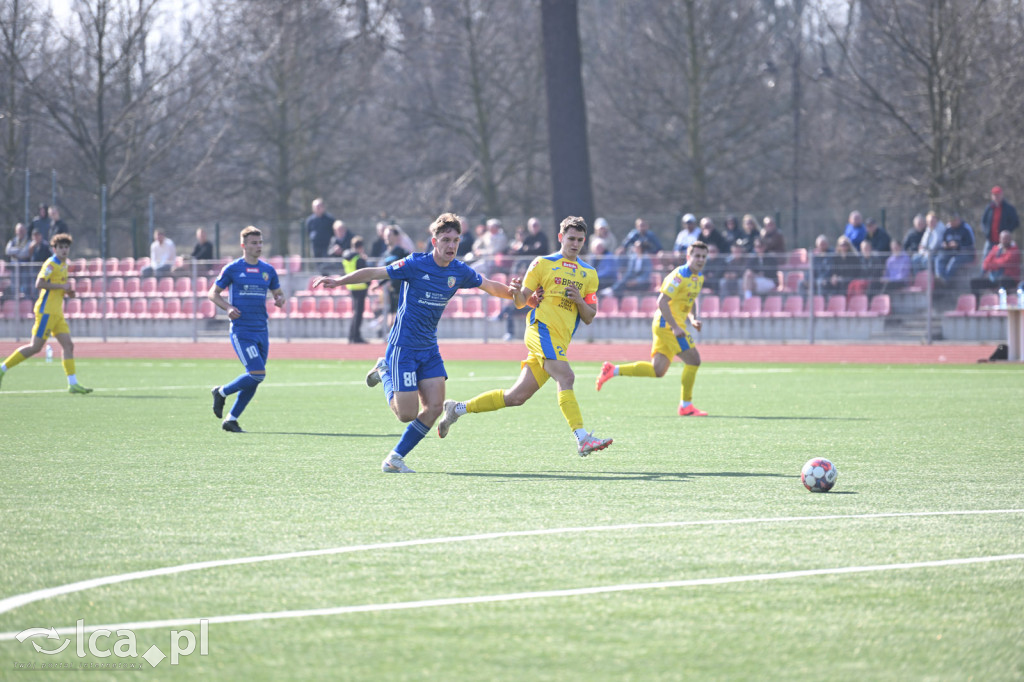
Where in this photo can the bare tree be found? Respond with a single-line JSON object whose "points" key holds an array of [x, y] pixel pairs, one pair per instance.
{"points": [[20, 31]]}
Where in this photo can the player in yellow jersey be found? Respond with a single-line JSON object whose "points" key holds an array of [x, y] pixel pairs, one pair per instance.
{"points": [[675, 305], [53, 286], [569, 288]]}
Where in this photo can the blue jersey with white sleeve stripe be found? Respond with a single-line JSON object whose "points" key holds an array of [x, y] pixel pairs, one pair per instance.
{"points": [[426, 289], [247, 287]]}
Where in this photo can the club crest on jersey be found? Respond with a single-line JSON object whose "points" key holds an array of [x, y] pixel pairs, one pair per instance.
{"points": [[451, 282], [266, 276]]}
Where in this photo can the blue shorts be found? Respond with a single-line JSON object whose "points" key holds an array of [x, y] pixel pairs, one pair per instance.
{"points": [[408, 366], [252, 349]]}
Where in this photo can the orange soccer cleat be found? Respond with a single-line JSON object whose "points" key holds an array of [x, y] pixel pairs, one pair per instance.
{"points": [[691, 411], [607, 372]]}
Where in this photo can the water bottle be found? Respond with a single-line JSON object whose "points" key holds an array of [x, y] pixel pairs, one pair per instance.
{"points": [[49, 353], [1020, 296], [1002, 298]]}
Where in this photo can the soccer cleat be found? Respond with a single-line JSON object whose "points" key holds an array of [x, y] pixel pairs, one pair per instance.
{"points": [[691, 411], [607, 372], [79, 389], [592, 443], [218, 402], [231, 425], [373, 376], [395, 464], [447, 419]]}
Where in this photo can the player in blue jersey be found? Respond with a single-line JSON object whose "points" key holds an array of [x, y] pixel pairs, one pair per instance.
{"points": [[246, 280], [412, 369]]}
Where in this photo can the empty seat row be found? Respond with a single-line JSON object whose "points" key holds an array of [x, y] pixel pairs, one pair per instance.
{"points": [[139, 287], [858, 305], [967, 305]]}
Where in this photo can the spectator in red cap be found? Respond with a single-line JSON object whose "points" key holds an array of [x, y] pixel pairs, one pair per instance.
{"points": [[999, 216]]}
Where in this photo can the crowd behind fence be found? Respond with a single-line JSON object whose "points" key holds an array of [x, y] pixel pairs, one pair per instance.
{"points": [[799, 305]]}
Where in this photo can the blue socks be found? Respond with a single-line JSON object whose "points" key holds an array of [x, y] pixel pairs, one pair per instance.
{"points": [[414, 433], [245, 386]]}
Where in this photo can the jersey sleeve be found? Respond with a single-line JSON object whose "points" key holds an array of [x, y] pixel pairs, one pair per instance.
{"points": [[470, 278], [224, 278], [274, 282], [533, 275], [401, 269]]}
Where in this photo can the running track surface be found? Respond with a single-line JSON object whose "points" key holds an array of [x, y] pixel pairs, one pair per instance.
{"points": [[327, 349]]}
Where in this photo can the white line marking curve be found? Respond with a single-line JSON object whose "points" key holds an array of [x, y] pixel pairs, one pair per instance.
{"points": [[16, 601]]}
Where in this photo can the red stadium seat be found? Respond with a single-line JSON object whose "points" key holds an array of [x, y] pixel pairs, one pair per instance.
{"points": [[751, 307], [881, 304], [115, 287], [83, 287], [90, 308], [183, 286], [772, 307], [708, 306], [95, 267], [628, 306], [792, 282], [9, 309], [148, 288], [73, 308], [154, 308], [172, 308], [856, 306], [471, 307], [294, 263], [648, 306], [127, 267], [165, 287], [921, 280], [966, 304], [207, 308], [730, 306], [608, 305], [987, 306], [325, 307], [123, 307], [794, 306]]}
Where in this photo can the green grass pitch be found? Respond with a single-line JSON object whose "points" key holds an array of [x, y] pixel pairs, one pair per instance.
{"points": [[698, 528]]}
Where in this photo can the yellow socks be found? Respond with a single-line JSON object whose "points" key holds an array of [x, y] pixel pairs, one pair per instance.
{"points": [[487, 402], [69, 366], [570, 409], [637, 369], [14, 359], [689, 378]]}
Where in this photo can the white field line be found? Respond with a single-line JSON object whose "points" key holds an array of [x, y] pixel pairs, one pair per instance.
{"points": [[519, 596], [16, 601]]}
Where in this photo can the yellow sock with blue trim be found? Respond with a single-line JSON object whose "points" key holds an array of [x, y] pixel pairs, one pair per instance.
{"points": [[69, 366], [637, 369], [13, 360], [487, 402], [689, 378], [570, 409]]}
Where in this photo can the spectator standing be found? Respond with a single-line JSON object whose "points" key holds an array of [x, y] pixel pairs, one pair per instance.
{"points": [[1001, 267], [19, 250], [604, 232], [488, 249], [957, 249], [57, 226], [355, 259], [41, 223], [641, 232], [931, 240], [773, 240], [39, 250], [821, 263], [203, 249], [319, 227], [750, 232], [999, 216], [689, 233], [732, 231], [710, 235], [380, 244], [913, 239], [876, 234], [161, 256], [341, 240], [855, 231]]}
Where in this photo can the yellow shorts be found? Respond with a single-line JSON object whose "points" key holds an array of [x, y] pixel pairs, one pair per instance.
{"points": [[667, 343], [50, 324], [543, 345]]}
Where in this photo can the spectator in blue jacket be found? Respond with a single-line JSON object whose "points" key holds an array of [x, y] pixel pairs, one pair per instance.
{"points": [[855, 231]]}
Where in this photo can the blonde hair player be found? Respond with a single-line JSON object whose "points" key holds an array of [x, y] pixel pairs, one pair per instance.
{"points": [[678, 292], [54, 287], [569, 296]]}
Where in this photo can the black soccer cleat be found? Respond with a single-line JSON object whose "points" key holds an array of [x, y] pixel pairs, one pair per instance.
{"points": [[218, 403], [232, 426]]}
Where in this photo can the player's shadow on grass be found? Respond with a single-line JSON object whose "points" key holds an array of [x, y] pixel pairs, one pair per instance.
{"points": [[783, 418], [615, 475], [121, 396]]}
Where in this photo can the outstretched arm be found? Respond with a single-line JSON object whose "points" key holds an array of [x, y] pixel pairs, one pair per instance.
{"points": [[356, 277]]}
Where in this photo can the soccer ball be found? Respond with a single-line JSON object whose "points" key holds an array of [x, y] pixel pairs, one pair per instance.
{"points": [[819, 475]]}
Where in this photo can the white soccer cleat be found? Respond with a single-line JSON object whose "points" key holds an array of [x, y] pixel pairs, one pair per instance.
{"points": [[395, 464], [373, 376], [592, 443], [447, 419]]}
